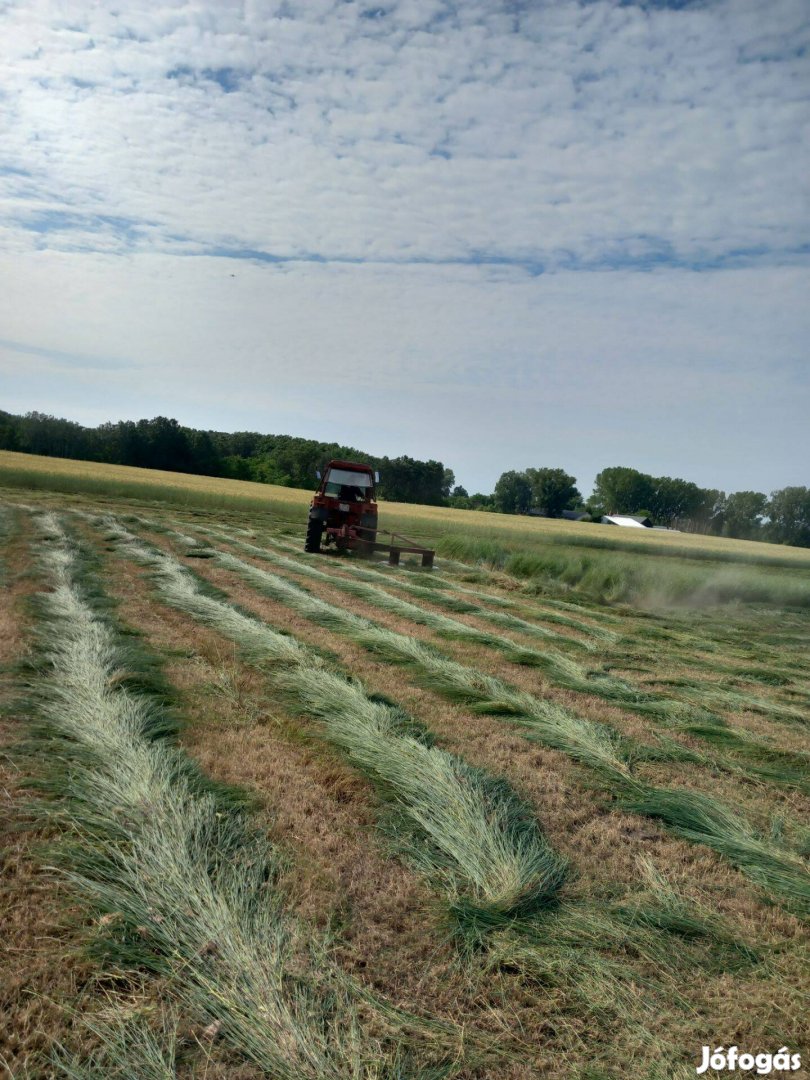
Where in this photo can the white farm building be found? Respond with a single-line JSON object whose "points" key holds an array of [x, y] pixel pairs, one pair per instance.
{"points": [[627, 522]]}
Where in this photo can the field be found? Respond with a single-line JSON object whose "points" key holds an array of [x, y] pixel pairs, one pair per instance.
{"points": [[541, 812]]}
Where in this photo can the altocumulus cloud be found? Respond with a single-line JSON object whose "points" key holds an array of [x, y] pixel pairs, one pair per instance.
{"points": [[545, 208]]}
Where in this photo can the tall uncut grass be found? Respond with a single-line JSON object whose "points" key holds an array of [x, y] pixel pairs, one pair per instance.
{"points": [[471, 833], [770, 864], [653, 574], [186, 884]]}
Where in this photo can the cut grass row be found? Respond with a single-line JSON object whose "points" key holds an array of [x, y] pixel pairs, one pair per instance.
{"points": [[689, 814], [468, 830], [759, 758], [562, 947], [185, 884], [446, 627], [453, 597]]}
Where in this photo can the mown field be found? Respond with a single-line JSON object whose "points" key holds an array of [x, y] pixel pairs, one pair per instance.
{"points": [[540, 812]]}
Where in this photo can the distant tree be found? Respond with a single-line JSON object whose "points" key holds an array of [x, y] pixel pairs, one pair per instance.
{"points": [[744, 513], [673, 499], [623, 490], [479, 501], [166, 444], [711, 513], [205, 460], [404, 479], [513, 493], [162, 443], [9, 432], [789, 511], [553, 490], [236, 468], [459, 492]]}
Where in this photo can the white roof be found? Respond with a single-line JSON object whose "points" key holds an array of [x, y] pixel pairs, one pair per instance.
{"points": [[630, 522]]}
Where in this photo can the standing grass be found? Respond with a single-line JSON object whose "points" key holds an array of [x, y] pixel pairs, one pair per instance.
{"points": [[185, 884], [694, 574], [474, 837]]}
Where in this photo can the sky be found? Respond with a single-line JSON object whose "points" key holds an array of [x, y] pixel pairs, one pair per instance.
{"points": [[495, 233]]}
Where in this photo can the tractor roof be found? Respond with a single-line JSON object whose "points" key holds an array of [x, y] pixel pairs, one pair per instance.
{"points": [[352, 466]]}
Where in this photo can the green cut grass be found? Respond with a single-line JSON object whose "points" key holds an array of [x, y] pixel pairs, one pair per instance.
{"points": [[595, 745], [472, 834], [187, 885]]}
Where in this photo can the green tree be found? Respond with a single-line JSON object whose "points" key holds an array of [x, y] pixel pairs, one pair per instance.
{"points": [[623, 490], [553, 490], [711, 513], [513, 493], [789, 511], [674, 500], [744, 511]]}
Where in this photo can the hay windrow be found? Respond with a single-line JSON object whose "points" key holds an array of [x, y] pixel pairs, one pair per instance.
{"points": [[468, 831], [182, 879], [690, 717], [597, 746]]}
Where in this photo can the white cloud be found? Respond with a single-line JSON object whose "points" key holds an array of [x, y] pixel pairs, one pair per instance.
{"points": [[591, 140], [589, 130]]}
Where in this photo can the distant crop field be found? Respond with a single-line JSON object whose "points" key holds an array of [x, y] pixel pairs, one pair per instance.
{"points": [[651, 567], [312, 816]]}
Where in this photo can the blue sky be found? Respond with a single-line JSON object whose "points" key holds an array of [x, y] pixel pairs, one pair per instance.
{"points": [[500, 234]]}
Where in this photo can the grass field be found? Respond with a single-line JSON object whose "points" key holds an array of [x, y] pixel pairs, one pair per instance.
{"points": [[541, 812]]}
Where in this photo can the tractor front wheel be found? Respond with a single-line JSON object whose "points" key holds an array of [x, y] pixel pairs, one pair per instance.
{"points": [[312, 543]]}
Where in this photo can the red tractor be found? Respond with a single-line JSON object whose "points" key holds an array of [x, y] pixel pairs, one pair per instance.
{"points": [[345, 508]]}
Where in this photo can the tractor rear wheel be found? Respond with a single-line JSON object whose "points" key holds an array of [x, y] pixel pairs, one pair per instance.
{"points": [[312, 543]]}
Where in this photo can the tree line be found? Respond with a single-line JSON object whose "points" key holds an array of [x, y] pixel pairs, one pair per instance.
{"points": [[781, 517], [163, 443]]}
